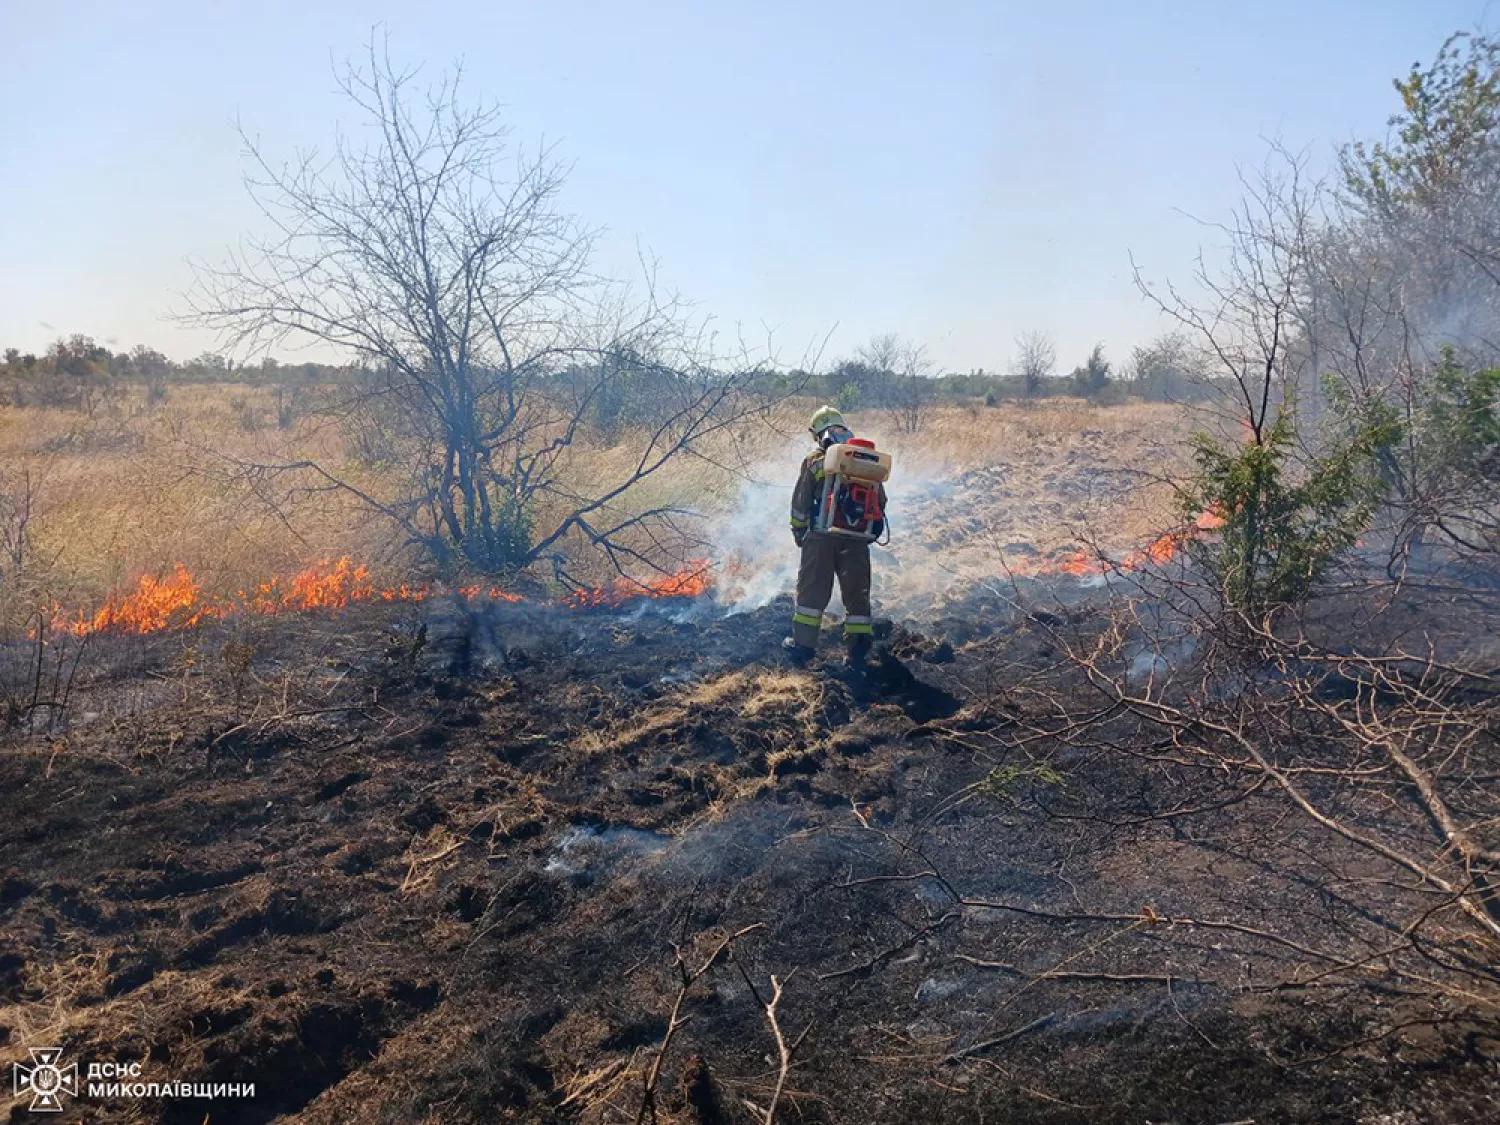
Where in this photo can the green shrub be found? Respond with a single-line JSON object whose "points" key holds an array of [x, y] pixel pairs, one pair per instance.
{"points": [[1285, 518], [1441, 465]]}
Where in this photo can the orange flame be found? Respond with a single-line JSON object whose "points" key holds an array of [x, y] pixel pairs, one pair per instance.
{"points": [[690, 583], [156, 603], [1162, 549], [177, 601]]}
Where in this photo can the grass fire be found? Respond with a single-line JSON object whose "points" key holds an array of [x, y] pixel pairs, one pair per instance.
{"points": [[484, 684], [177, 601]]}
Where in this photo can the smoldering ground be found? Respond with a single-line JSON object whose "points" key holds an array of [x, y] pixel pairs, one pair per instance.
{"points": [[479, 882], [457, 860]]}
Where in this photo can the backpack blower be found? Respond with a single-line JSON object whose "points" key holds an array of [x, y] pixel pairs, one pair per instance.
{"points": [[849, 504]]}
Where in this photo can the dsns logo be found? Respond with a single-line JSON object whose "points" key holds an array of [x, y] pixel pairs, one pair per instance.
{"points": [[46, 1081]]}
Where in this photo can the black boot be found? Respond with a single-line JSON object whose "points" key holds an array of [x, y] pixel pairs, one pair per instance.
{"points": [[799, 655], [859, 651]]}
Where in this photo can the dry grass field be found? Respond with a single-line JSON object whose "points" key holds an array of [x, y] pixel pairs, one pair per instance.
{"points": [[139, 488]]}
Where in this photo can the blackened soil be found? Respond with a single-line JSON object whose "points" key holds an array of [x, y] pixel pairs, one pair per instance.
{"points": [[454, 868]]}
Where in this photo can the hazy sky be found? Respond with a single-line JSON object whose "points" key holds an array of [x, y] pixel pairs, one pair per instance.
{"points": [[955, 172]]}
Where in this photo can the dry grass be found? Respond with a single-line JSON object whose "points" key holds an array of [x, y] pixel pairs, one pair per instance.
{"points": [[776, 716], [773, 697], [140, 488], [61, 996], [66, 1005], [982, 493], [960, 438], [136, 490]]}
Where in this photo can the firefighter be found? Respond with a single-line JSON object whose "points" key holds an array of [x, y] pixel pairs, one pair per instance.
{"points": [[826, 557]]}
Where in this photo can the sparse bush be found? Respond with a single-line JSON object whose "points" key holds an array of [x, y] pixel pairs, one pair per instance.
{"points": [[1167, 369], [1440, 470], [1092, 377], [373, 432], [286, 412], [477, 325], [246, 414], [1284, 522], [73, 375], [903, 376], [20, 491], [622, 392], [1036, 358], [37, 671]]}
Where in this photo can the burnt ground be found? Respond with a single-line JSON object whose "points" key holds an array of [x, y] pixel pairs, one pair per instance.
{"points": [[406, 865]]}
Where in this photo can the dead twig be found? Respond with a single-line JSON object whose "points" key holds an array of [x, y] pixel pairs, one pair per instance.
{"points": [[885, 955], [784, 1051], [676, 1021]]}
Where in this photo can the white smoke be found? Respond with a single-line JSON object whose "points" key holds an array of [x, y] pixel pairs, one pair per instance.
{"points": [[756, 559], [913, 572]]}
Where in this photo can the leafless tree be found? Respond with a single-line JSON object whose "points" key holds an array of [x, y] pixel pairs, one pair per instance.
{"points": [[1166, 369], [907, 373], [1036, 359], [20, 490], [1247, 310], [443, 267]]}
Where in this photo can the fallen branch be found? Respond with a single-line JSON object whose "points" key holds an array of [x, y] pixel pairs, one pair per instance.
{"points": [[784, 1052], [676, 1021], [978, 1048], [885, 955], [1080, 975]]}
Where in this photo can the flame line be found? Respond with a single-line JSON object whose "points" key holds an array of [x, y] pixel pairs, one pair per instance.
{"points": [[177, 601]]}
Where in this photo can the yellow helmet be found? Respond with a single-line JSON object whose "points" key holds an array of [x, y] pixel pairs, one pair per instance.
{"points": [[824, 417]]}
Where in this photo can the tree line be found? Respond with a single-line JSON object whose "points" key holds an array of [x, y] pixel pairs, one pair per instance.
{"points": [[78, 372], [888, 373]]}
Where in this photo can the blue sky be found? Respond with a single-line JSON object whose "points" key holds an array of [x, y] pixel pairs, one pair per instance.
{"points": [[954, 172]]}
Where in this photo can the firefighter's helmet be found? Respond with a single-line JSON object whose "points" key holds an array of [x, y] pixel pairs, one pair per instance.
{"points": [[824, 417]]}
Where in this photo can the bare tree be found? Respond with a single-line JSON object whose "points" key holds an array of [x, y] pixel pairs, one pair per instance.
{"points": [[20, 490], [1036, 359], [906, 372], [444, 268], [1166, 369], [1253, 308]]}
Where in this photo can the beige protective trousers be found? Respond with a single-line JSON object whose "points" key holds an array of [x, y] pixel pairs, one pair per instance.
{"points": [[825, 557]]}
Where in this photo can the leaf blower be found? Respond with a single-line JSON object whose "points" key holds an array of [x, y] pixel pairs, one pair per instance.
{"points": [[853, 472]]}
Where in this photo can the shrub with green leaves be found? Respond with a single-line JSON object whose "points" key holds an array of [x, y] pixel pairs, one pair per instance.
{"points": [[1286, 517], [1440, 462], [1458, 443]]}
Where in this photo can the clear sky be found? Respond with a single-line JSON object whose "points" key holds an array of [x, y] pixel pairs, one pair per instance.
{"points": [[957, 172]]}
